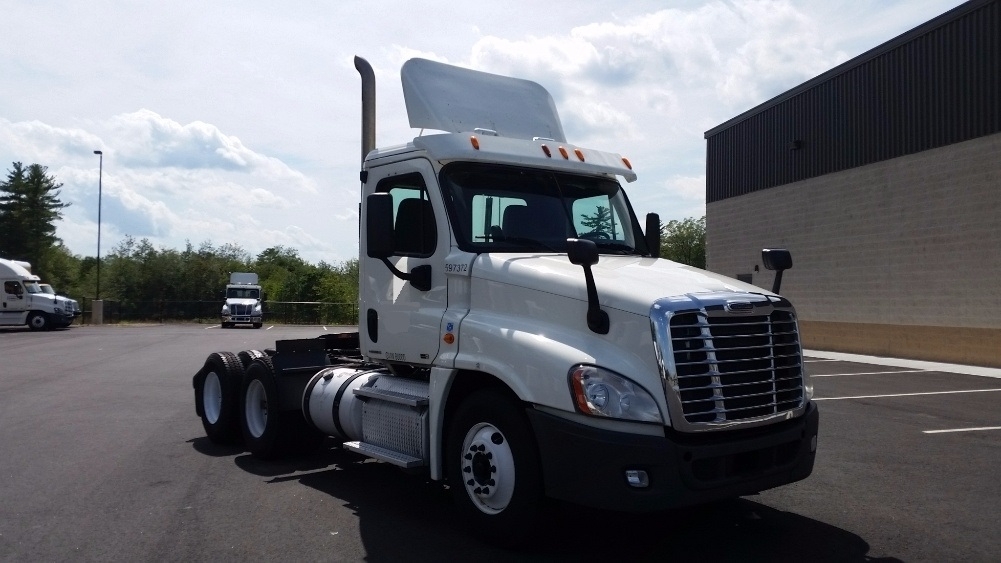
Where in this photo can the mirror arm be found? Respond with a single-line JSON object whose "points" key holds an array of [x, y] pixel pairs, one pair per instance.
{"points": [[597, 319], [419, 276]]}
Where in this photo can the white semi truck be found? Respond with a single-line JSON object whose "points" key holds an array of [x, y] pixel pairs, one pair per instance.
{"points": [[22, 301], [243, 301], [518, 336]]}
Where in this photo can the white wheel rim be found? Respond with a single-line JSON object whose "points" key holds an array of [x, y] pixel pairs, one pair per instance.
{"points": [[256, 408], [37, 321], [212, 397], [488, 468]]}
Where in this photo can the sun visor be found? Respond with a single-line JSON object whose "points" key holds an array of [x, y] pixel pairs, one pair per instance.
{"points": [[456, 100]]}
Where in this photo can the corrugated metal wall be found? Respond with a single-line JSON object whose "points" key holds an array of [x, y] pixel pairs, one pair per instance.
{"points": [[935, 85]]}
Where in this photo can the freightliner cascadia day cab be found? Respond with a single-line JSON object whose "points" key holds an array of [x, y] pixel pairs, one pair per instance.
{"points": [[519, 338], [22, 301], [243, 301]]}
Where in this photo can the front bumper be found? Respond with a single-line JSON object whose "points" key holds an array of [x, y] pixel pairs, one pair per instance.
{"points": [[586, 465], [242, 319]]}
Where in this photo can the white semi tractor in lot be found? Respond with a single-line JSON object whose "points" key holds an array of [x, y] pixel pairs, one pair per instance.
{"points": [[519, 338], [243, 301], [23, 302]]}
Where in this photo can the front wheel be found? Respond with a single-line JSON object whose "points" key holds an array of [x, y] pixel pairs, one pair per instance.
{"points": [[38, 321], [493, 469]]}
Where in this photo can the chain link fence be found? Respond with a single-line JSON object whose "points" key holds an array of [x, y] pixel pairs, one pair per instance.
{"points": [[275, 312]]}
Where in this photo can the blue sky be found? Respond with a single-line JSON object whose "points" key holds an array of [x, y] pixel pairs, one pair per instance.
{"points": [[238, 122]]}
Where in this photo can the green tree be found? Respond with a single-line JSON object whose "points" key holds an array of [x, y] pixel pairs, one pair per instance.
{"points": [[29, 208], [600, 221], [684, 241]]}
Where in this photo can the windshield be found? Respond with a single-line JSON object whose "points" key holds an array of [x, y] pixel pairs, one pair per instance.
{"points": [[46, 288], [498, 208], [242, 293], [32, 287]]}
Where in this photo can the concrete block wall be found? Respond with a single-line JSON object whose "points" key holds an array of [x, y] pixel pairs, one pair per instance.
{"points": [[912, 245]]}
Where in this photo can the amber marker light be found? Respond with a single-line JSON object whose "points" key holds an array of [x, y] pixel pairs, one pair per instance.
{"points": [[563, 151], [474, 141], [449, 338], [579, 153], [628, 164], [546, 150]]}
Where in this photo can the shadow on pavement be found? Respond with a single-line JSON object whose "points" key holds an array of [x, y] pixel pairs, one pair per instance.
{"points": [[409, 517]]}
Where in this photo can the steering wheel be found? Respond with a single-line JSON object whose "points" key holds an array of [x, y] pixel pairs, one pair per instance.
{"points": [[596, 235]]}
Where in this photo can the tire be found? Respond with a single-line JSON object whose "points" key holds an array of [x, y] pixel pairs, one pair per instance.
{"points": [[248, 356], [261, 418], [257, 325], [493, 468], [269, 432], [217, 388], [38, 321], [227, 325]]}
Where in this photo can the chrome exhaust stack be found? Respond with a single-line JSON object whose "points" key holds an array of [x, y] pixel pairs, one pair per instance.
{"points": [[367, 106]]}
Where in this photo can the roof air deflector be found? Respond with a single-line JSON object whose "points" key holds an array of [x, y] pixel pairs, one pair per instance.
{"points": [[459, 100]]}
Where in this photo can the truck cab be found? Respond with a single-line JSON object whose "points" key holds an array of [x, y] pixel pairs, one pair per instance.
{"points": [[243, 301], [22, 301], [497, 255]]}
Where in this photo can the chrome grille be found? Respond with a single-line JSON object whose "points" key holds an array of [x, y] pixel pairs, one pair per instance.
{"points": [[729, 360], [237, 309]]}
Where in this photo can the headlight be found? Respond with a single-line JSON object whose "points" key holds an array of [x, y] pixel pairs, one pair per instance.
{"points": [[58, 310], [600, 392], [225, 309], [257, 308]]}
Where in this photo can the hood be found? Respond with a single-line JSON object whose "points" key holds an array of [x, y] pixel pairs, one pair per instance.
{"points": [[236, 301], [627, 283], [54, 300]]}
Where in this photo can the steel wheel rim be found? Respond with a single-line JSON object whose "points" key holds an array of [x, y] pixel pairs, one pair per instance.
{"points": [[256, 408], [488, 468], [212, 397]]}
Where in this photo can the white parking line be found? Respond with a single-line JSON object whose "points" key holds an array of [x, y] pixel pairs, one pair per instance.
{"points": [[962, 430], [208, 327], [815, 361], [270, 327], [905, 394], [897, 362], [868, 373]]}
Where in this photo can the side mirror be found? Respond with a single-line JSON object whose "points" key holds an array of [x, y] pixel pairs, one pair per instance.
{"points": [[778, 259], [582, 252], [379, 225], [652, 234]]}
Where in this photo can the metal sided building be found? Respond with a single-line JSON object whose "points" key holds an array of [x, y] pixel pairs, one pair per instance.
{"points": [[883, 177]]}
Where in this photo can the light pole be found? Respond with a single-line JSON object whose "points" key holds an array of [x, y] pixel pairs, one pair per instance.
{"points": [[100, 173]]}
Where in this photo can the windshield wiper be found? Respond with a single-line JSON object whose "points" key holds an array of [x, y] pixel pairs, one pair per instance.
{"points": [[527, 241], [616, 246]]}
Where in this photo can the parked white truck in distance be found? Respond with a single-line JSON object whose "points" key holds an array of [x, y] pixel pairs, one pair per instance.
{"points": [[519, 338], [22, 301], [243, 301]]}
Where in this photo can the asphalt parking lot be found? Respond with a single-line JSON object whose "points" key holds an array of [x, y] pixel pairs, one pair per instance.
{"points": [[103, 458]]}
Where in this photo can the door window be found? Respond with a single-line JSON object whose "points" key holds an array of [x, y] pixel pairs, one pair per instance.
{"points": [[414, 228]]}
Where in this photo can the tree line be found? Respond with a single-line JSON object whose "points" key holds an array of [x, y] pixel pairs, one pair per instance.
{"points": [[135, 271]]}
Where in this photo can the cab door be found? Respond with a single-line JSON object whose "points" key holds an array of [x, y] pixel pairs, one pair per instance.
{"points": [[13, 303], [400, 322]]}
